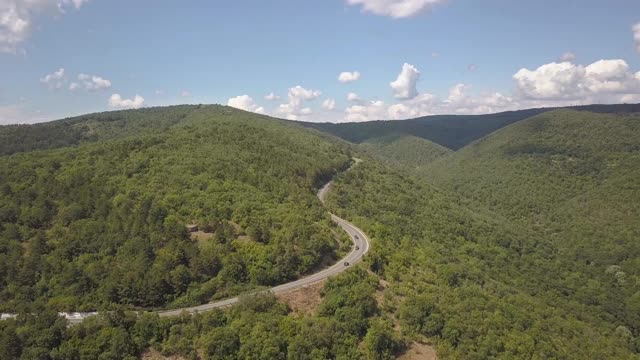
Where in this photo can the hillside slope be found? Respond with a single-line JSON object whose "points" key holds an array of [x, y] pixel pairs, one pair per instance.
{"points": [[473, 283], [90, 128], [407, 151], [103, 223], [451, 131], [570, 177]]}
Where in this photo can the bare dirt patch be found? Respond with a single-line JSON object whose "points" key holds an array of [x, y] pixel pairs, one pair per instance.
{"points": [[201, 236], [153, 354], [304, 301], [418, 351]]}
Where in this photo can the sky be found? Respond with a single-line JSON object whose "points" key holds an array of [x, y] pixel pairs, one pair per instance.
{"points": [[324, 60]]}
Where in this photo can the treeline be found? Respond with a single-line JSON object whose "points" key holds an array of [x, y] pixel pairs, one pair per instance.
{"points": [[472, 282], [571, 178], [103, 224], [90, 128], [348, 326]]}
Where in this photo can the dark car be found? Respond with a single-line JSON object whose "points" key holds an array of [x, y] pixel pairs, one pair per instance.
{"points": [[346, 263]]}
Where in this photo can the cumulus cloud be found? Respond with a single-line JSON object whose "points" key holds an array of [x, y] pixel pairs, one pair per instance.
{"points": [[567, 57], [395, 8], [636, 35], [329, 104], [20, 114], [404, 87], [54, 80], [116, 101], [16, 19], [297, 97], [370, 111], [347, 77], [567, 81], [92, 82], [353, 97], [553, 84], [271, 97], [245, 102]]}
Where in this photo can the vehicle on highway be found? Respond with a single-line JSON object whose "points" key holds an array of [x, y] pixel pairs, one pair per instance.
{"points": [[346, 263], [356, 237], [357, 247]]}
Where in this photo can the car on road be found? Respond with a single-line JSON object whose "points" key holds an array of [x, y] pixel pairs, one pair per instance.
{"points": [[357, 247], [346, 263], [356, 237]]}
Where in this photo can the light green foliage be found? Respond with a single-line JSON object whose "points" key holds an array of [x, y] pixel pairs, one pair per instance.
{"points": [[405, 151], [257, 328], [476, 284], [101, 224]]}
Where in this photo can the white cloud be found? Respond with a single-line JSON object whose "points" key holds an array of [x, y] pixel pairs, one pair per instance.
{"points": [[374, 110], [329, 104], [117, 101], [297, 96], [271, 97], [16, 19], [636, 35], [404, 87], [54, 80], [74, 86], [472, 67], [347, 77], [460, 102], [21, 114], [245, 102], [93, 82], [567, 81], [185, 93], [353, 97], [567, 57], [395, 8]]}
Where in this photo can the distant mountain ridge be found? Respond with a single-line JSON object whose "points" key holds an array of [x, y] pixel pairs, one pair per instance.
{"points": [[451, 131]]}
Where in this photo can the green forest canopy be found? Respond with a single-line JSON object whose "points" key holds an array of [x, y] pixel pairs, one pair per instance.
{"points": [[519, 245]]}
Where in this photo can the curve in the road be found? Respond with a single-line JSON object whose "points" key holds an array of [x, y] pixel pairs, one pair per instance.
{"points": [[360, 248], [361, 245]]}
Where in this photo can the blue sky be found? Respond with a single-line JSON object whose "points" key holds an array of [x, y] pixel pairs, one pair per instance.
{"points": [[444, 56]]}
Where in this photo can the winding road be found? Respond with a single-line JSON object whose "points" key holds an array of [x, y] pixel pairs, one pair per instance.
{"points": [[361, 246]]}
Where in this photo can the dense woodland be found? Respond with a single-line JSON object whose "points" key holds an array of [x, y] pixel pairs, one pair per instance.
{"points": [[451, 131], [348, 326], [474, 283], [404, 151], [101, 224], [522, 244]]}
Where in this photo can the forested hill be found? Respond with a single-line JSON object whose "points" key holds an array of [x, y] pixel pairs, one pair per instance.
{"points": [[572, 178], [523, 244], [91, 128], [407, 151], [451, 131], [103, 223]]}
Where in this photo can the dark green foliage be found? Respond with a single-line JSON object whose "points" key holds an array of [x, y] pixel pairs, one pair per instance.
{"points": [[89, 128], [451, 131], [258, 328], [473, 282], [406, 151], [101, 224]]}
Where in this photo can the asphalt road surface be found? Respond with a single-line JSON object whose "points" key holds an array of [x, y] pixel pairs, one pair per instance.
{"points": [[361, 247]]}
